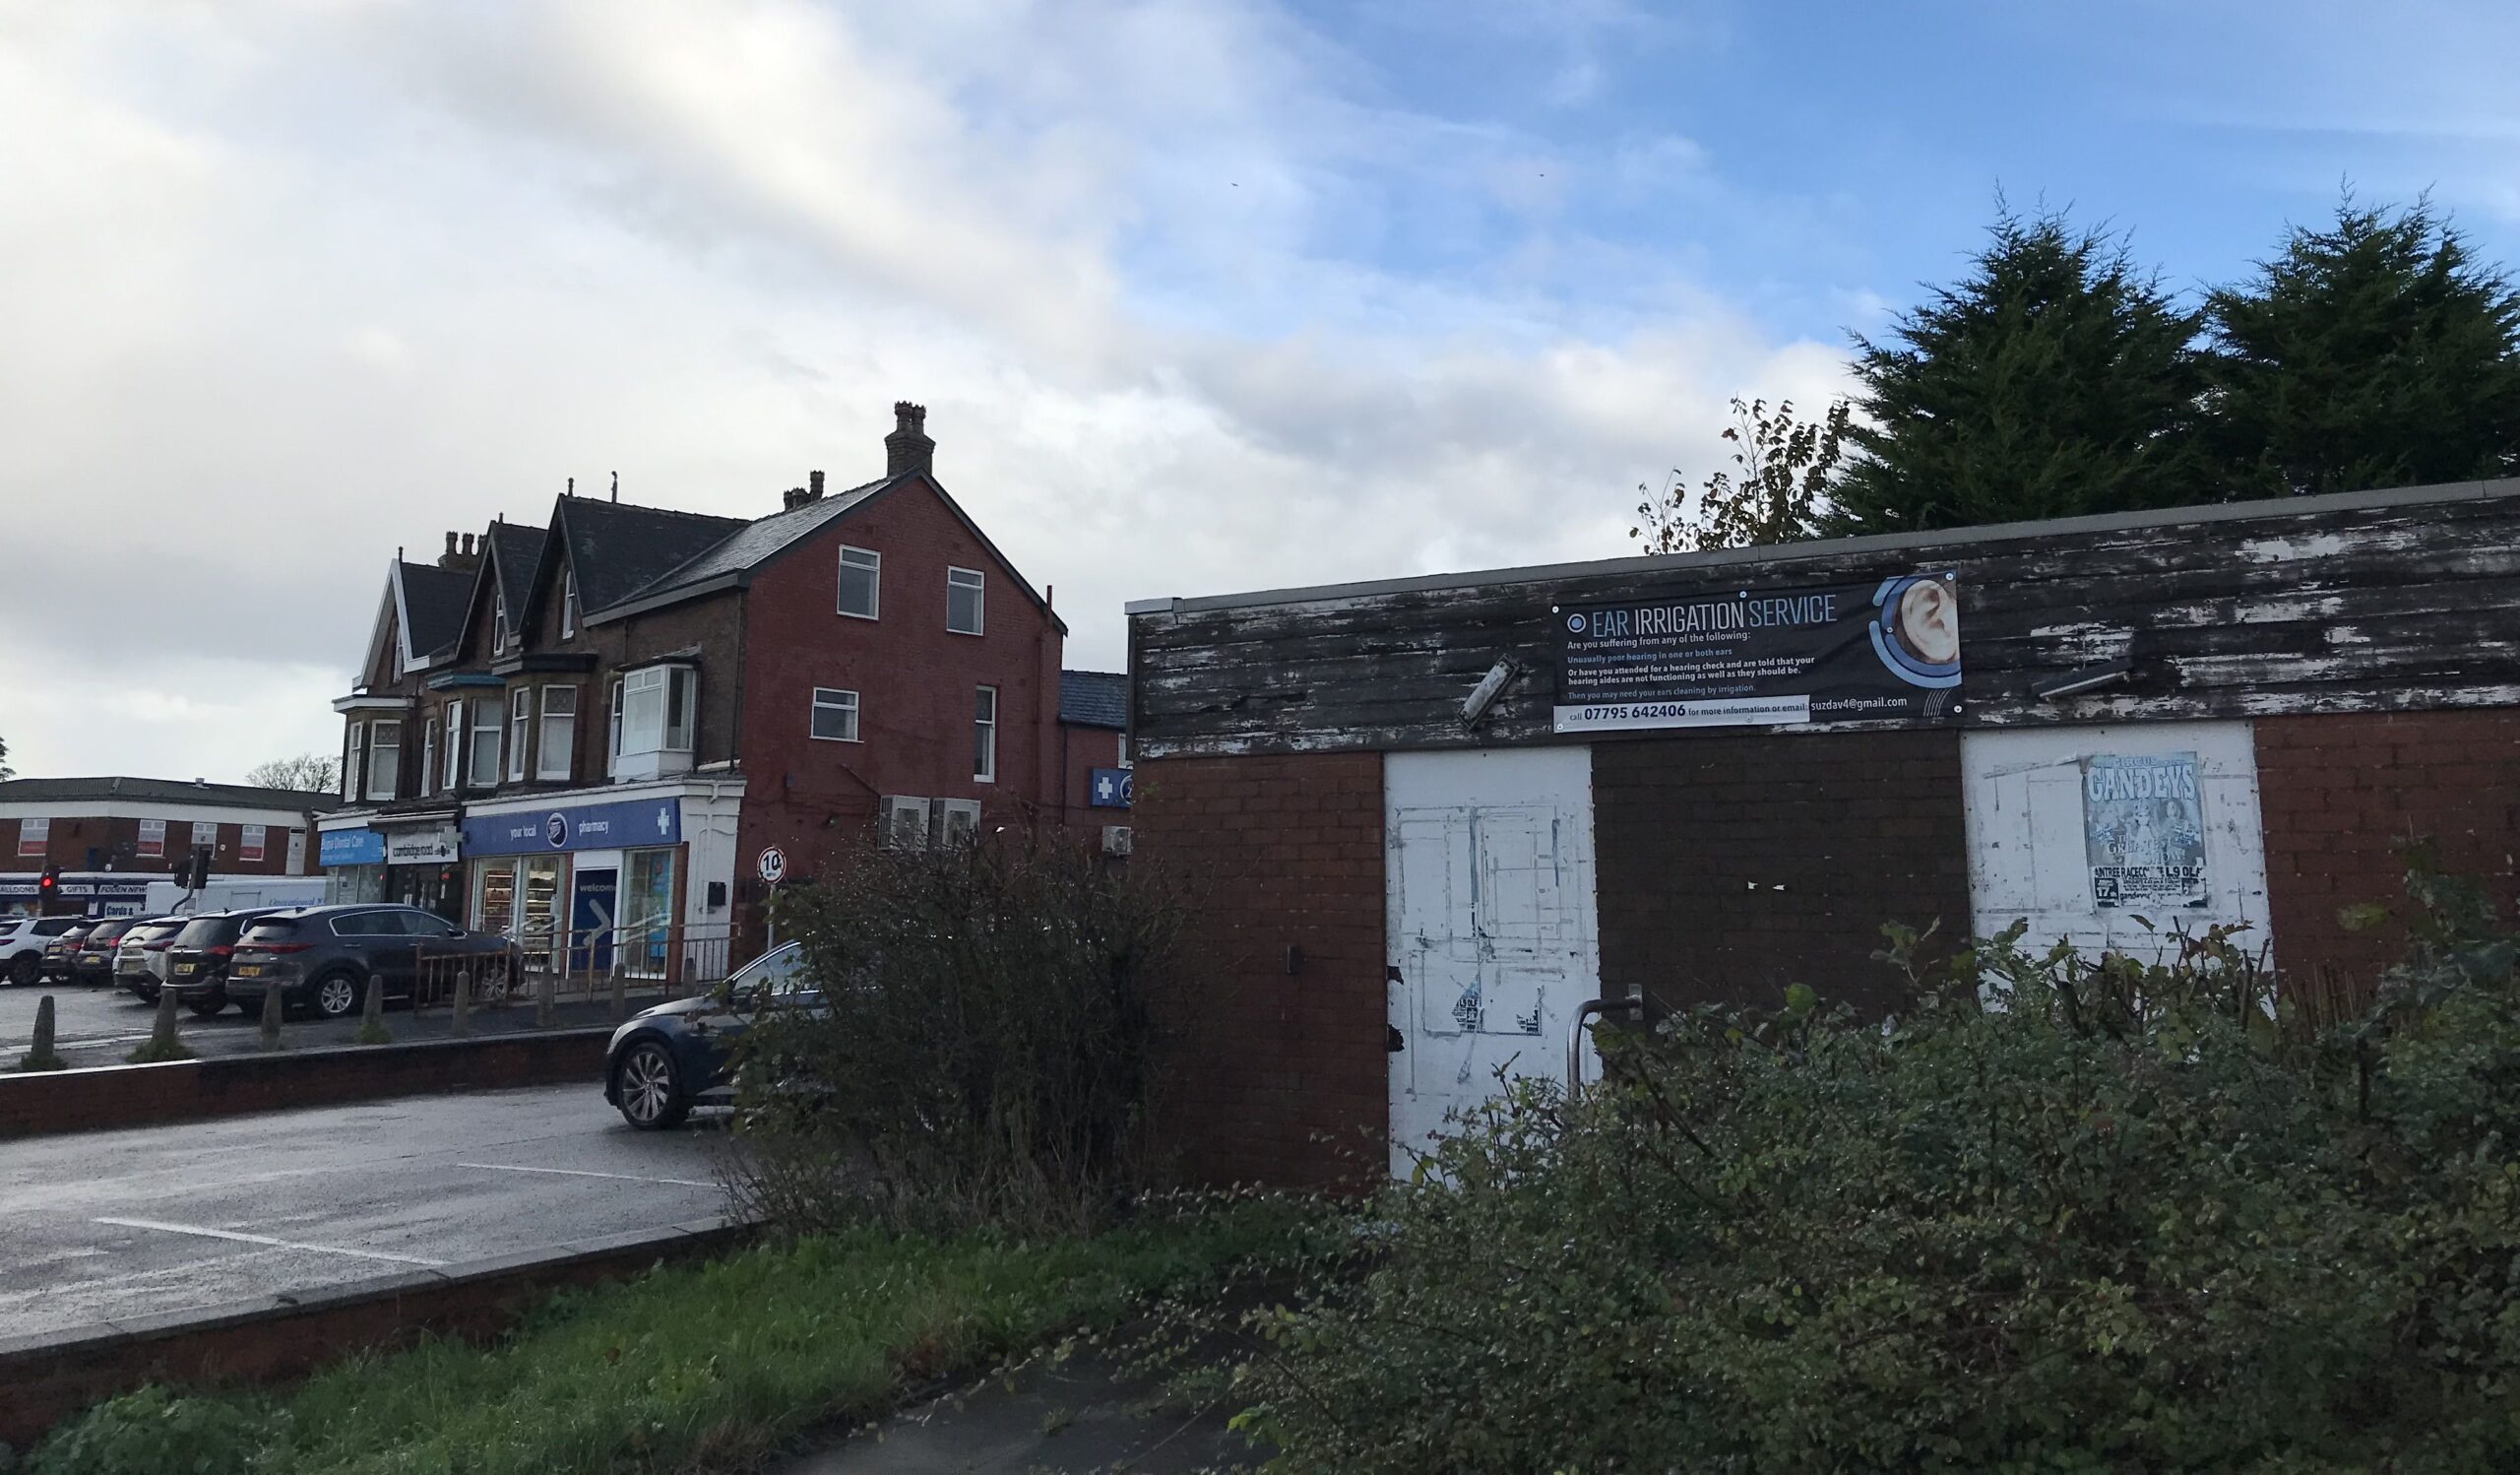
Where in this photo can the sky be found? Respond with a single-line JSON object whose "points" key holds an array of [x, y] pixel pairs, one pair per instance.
{"points": [[1202, 295]]}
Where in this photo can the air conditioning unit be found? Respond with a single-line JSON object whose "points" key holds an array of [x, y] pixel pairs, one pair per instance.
{"points": [[957, 821], [1115, 840], [904, 822]]}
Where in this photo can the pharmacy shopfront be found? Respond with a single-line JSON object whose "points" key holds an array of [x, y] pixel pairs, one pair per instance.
{"points": [[591, 886]]}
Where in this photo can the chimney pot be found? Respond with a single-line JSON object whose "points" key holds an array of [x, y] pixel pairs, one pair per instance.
{"points": [[814, 486], [467, 545], [450, 543], [791, 499], [908, 450]]}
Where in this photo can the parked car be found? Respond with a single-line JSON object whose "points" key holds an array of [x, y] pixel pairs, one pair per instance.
{"points": [[140, 956], [668, 1058], [93, 962], [322, 957], [198, 960], [62, 951], [22, 940]]}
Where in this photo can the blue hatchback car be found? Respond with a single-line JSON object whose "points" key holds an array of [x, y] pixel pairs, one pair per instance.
{"points": [[676, 1056]]}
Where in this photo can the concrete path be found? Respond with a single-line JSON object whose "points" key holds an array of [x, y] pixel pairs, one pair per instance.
{"points": [[1086, 1414], [111, 1224], [98, 1026]]}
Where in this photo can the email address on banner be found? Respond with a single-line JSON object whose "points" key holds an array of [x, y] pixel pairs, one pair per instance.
{"points": [[1612, 717]]}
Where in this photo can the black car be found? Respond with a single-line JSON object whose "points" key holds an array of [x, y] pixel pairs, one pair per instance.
{"points": [[667, 1059], [63, 951], [322, 957], [197, 961], [92, 961]]}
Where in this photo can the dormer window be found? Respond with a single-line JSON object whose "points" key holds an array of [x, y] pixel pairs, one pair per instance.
{"points": [[499, 636], [568, 605]]}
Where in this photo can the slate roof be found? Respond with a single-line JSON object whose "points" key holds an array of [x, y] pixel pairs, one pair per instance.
{"points": [[1095, 698], [616, 549], [741, 545], [434, 601], [160, 792], [519, 548]]}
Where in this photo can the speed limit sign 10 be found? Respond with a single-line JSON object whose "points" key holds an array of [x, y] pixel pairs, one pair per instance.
{"points": [[773, 863]]}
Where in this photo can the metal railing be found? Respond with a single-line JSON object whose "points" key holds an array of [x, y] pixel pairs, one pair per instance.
{"points": [[645, 962]]}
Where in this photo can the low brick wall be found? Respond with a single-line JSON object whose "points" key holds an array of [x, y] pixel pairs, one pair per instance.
{"points": [[271, 1339], [37, 1103]]}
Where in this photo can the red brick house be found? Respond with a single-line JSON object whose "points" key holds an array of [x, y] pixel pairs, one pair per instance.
{"points": [[109, 837], [635, 716]]}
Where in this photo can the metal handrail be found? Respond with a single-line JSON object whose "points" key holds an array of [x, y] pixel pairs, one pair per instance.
{"points": [[1575, 1033]]}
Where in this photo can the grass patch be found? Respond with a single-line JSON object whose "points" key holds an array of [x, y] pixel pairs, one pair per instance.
{"points": [[690, 1368]]}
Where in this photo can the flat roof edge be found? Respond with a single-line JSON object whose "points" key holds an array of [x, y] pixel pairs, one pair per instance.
{"points": [[1881, 542]]}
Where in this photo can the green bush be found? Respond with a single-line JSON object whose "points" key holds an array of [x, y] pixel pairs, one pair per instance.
{"points": [[152, 1432], [2067, 1216], [982, 1053]]}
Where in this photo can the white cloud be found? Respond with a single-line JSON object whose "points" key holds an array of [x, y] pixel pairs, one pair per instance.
{"points": [[292, 284]]}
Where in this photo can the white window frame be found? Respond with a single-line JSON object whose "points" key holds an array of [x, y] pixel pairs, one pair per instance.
{"points": [[383, 755], [568, 604], [482, 771], [520, 726], [871, 563], [832, 699], [543, 767], [984, 736], [34, 835], [613, 720], [428, 755], [682, 681], [1124, 751], [451, 776], [649, 696], [502, 634], [352, 748], [977, 583], [251, 841], [146, 832]]}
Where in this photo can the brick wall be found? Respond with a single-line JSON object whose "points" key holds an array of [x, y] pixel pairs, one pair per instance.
{"points": [[1731, 866], [1274, 853], [2339, 793]]}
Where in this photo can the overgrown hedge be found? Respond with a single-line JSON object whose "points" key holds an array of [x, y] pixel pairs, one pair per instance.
{"points": [[2126, 1219]]}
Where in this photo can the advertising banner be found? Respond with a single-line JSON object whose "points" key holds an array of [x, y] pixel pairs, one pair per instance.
{"points": [[2144, 831], [349, 848], [606, 826], [1817, 654]]}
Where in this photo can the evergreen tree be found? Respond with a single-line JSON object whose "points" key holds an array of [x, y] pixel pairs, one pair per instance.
{"points": [[2057, 378], [2375, 352]]}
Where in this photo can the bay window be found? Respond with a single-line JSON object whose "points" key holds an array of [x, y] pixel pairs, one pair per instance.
{"points": [[520, 720], [428, 757], [484, 772], [384, 758], [452, 774], [655, 720], [350, 751]]}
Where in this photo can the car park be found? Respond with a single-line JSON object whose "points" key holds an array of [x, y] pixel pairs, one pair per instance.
{"points": [[22, 940], [667, 1059], [140, 956], [198, 959], [322, 958]]}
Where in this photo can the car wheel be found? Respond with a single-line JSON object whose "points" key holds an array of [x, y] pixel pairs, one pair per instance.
{"points": [[648, 1087], [336, 996], [25, 970], [209, 1003], [493, 986]]}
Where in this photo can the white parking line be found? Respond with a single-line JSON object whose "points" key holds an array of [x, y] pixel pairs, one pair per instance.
{"points": [[628, 1177], [247, 1239]]}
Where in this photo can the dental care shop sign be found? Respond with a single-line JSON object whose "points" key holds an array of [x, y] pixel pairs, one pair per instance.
{"points": [[623, 824], [1762, 657]]}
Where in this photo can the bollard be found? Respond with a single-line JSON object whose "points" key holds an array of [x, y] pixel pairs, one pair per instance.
{"points": [[620, 997], [271, 1016], [371, 1024], [545, 999], [42, 1055], [164, 1043], [462, 1022]]}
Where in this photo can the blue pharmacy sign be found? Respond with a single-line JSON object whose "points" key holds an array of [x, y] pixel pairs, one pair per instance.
{"points": [[349, 848], [1111, 788], [620, 824]]}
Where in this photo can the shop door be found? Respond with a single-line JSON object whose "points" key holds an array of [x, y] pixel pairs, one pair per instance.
{"points": [[1490, 916], [2115, 837], [591, 921]]}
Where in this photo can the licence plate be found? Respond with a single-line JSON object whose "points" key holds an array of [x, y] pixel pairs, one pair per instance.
{"points": [[247, 970], [183, 967]]}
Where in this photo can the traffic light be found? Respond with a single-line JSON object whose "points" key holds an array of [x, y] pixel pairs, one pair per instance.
{"points": [[48, 886], [192, 872]]}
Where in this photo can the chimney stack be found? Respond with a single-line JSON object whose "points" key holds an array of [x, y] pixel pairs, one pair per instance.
{"points": [[791, 499], [908, 449], [459, 554], [813, 486]]}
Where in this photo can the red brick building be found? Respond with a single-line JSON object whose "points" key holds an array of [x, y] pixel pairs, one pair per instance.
{"points": [[1432, 818], [109, 837], [632, 718]]}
